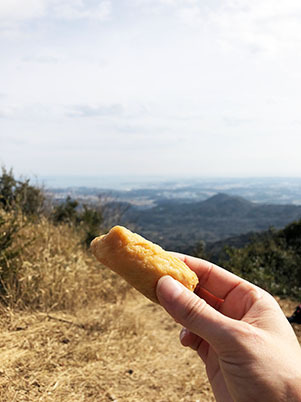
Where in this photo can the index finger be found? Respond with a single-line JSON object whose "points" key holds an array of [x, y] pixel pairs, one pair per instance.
{"points": [[213, 278]]}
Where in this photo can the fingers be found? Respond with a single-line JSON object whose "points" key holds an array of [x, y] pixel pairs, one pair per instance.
{"points": [[213, 301], [213, 278], [190, 339], [196, 343], [194, 313]]}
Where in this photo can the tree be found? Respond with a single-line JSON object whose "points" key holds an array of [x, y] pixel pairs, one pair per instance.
{"points": [[91, 219], [271, 261], [84, 217], [21, 195], [66, 212]]}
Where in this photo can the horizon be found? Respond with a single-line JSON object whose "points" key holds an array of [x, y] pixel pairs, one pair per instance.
{"points": [[119, 182], [145, 193]]}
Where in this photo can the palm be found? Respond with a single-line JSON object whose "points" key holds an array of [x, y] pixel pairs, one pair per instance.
{"points": [[217, 368], [234, 302], [216, 377]]}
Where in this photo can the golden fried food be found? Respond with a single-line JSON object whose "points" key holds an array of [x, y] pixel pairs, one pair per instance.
{"points": [[139, 261]]}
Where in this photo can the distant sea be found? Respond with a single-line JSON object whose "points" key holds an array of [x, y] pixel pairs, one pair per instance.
{"points": [[122, 182], [107, 182], [126, 182]]}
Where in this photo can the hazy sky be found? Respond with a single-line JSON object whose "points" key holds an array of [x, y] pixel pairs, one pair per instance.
{"points": [[150, 87]]}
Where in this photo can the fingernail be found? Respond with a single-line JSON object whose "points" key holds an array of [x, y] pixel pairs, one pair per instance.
{"points": [[168, 289], [183, 333]]}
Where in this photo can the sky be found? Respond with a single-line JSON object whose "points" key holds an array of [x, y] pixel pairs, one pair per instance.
{"points": [[195, 88]]}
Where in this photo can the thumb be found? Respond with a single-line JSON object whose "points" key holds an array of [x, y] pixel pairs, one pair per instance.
{"points": [[194, 313]]}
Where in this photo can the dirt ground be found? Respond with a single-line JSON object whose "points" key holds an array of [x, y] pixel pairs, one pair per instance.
{"points": [[108, 352], [128, 352]]}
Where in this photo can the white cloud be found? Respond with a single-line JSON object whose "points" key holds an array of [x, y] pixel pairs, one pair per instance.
{"points": [[165, 3], [95, 110], [7, 112], [256, 26], [190, 14], [79, 9], [16, 11], [259, 25], [41, 58], [186, 11]]}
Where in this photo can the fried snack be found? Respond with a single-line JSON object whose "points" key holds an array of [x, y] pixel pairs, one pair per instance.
{"points": [[140, 262]]}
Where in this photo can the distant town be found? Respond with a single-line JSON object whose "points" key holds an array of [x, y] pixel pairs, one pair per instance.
{"points": [[180, 214], [147, 192]]}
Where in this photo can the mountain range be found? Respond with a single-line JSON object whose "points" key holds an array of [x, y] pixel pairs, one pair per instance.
{"points": [[179, 225]]}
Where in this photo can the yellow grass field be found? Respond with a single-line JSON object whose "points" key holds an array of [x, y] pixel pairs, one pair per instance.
{"points": [[76, 332], [108, 352]]}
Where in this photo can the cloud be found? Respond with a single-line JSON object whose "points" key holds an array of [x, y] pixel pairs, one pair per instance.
{"points": [[258, 26], [95, 110], [234, 121], [187, 11], [7, 112], [165, 3], [40, 58], [80, 9], [190, 14], [178, 7], [12, 141], [15, 11]]}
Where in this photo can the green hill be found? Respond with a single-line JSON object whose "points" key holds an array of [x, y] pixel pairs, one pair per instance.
{"points": [[180, 225]]}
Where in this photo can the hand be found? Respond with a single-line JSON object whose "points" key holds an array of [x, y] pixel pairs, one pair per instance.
{"points": [[250, 350]]}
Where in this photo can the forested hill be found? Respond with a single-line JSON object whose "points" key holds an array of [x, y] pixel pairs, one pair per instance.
{"points": [[179, 225], [270, 259]]}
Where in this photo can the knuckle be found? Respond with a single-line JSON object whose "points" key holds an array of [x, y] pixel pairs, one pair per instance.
{"points": [[193, 310]]}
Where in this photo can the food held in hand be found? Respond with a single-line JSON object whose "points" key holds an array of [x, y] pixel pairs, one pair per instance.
{"points": [[140, 262]]}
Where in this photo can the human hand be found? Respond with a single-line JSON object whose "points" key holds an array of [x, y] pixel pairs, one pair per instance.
{"points": [[250, 350]]}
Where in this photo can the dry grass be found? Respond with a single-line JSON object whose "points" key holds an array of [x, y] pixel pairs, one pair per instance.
{"points": [[124, 352], [54, 271], [78, 333]]}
